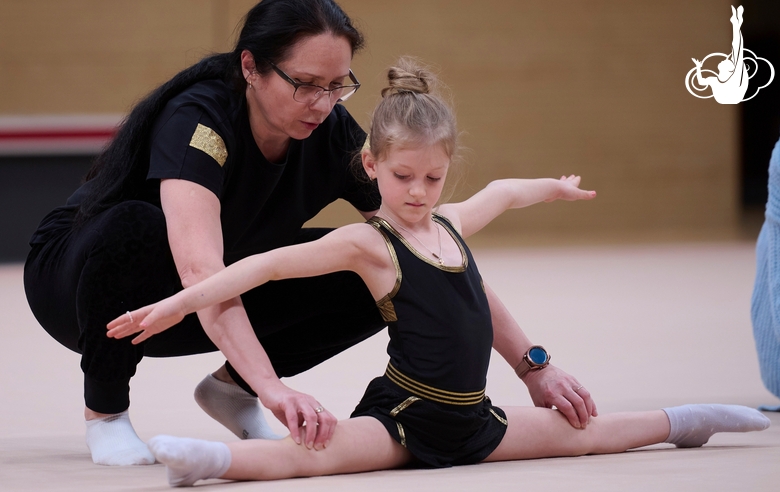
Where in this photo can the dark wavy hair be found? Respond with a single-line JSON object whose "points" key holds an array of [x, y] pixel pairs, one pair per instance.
{"points": [[271, 29]]}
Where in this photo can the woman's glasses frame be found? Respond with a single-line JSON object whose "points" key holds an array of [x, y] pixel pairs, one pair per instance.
{"points": [[310, 99]]}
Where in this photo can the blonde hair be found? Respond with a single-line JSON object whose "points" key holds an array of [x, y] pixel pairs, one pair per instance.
{"points": [[412, 112]]}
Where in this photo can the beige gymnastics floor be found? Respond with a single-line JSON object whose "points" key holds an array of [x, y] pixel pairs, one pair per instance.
{"points": [[641, 326]]}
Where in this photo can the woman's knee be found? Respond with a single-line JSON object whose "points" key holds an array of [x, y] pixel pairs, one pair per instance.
{"points": [[128, 261], [132, 225], [128, 240]]}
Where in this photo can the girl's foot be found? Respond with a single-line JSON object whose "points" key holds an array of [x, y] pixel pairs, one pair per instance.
{"points": [[189, 460], [693, 425]]}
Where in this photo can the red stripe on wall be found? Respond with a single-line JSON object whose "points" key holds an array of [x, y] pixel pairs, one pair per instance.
{"points": [[55, 134]]}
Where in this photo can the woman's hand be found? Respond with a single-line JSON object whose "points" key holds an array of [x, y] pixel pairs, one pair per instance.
{"points": [[569, 190], [552, 387], [293, 409], [149, 320]]}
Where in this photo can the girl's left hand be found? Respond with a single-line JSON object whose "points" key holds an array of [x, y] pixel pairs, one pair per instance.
{"points": [[569, 190], [552, 387]]}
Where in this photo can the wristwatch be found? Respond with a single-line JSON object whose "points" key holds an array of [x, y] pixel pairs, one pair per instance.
{"points": [[534, 359]]}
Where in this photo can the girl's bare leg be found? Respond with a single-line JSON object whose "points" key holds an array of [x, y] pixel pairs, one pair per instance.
{"points": [[543, 433], [535, 432], [359, 444]]}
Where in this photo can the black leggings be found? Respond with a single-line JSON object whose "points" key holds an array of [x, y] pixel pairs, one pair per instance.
{"points": [[120, 260]]}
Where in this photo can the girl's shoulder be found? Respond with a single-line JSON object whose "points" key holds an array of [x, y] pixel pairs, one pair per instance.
{"points": [[361, 235], [449, 212], [369, 254]]}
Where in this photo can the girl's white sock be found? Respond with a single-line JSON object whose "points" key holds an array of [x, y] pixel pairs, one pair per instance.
{"points": [[234, 408], [189, 460], [113, 441], [693, 425]]}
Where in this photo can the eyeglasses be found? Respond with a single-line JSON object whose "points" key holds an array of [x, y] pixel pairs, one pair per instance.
{"points": [[308, 93]]}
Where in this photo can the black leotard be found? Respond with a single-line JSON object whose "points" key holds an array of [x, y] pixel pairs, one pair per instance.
{"points": [[432, 396]]}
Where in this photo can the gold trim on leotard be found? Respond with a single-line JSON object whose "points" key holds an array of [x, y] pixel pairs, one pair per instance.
{"points": [[403, 406], [387, 309], [499, 417], [439, 219], [401, 433], [385, 304], [429, 392], [209, 141]]}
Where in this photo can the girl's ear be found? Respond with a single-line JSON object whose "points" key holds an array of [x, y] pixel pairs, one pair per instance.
{"points": [[369, 163]]}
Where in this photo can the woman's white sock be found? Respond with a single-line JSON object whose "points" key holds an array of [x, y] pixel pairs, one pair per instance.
{"points": [[113, 441], [693, 425], [189, 460], [234, 408]]}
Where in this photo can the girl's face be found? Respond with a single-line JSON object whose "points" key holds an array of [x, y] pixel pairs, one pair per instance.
{"points": [[322, 60], [410, 179]]}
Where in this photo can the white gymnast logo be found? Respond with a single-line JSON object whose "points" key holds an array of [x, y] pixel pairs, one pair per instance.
{"points": [[730, 84]]}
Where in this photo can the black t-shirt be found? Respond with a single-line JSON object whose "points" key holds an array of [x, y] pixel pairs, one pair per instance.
{"points": [[203, 135]]}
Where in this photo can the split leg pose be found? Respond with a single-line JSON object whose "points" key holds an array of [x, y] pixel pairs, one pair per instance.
{"points": [[430, 405], [532, 432]]}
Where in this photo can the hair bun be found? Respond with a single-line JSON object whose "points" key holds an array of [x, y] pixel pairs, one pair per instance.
{"points": [[408, 76]]}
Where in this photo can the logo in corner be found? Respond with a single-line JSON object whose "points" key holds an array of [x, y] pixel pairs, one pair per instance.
{"points": [[730, 84]]}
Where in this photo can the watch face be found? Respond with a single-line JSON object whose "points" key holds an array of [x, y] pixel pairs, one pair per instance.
{"points": [[537, 355]]}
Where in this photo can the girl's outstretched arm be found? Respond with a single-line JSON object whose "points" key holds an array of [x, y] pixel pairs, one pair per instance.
{"points": [[475, 213], [340, 250]]}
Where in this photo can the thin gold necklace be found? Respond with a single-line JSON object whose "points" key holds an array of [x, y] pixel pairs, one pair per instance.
{"points": [[438, 230]]}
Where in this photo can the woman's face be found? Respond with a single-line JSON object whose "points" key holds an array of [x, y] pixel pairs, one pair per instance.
{"points": [[322, 60]]}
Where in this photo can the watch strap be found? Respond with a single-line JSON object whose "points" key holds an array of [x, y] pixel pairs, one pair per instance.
{"points": [[523, 367]]}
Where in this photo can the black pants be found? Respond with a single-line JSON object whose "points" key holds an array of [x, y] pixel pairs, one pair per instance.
{"points": [[120, 260]]}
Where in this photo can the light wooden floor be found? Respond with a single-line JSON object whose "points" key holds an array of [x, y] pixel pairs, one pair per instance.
{"points": [[641, 326]]}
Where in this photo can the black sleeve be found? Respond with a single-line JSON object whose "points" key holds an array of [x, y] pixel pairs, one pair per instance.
{"points": [[187, 145], [358, 190]]}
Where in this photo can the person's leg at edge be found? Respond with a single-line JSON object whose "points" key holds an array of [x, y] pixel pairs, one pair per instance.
{"points": [[358, 444], [543, 433], [765, 302]]}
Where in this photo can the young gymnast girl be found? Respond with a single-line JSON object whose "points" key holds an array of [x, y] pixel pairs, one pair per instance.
{"points": [[430, 407]]}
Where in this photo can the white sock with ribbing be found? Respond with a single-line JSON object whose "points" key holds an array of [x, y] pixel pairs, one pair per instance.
{"points": [[693, 425], [189, 460], [234, 408], [113, 441]]}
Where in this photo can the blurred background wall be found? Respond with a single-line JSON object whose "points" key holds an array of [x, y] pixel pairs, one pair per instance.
{"points": [[541, 88]]}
